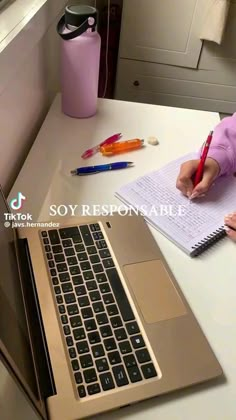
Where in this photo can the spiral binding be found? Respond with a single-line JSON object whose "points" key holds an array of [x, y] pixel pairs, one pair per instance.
{"points": [[208, 241]]}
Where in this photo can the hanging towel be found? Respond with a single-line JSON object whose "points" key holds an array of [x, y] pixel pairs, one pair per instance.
{"points": [[215, 21]]}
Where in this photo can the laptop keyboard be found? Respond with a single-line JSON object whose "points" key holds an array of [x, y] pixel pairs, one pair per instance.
{"points": [[104, 342]]}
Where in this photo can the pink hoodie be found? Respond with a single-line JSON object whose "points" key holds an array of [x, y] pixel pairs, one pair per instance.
{"points": [[223, 145]]}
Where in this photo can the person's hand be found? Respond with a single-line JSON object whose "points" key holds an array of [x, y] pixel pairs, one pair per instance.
{"points": [[188, 169], [230, 222]]}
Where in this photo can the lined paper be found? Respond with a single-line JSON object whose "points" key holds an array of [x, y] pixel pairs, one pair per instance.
{"points": [[200, 217]]}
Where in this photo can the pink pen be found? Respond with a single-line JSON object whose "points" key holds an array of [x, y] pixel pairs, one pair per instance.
{"points": [[90, 152]]}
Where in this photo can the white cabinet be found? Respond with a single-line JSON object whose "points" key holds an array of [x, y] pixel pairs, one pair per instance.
{"points": [[162, 31], [162, 59]]}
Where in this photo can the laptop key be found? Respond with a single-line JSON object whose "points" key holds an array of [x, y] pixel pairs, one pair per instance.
{"points": [[78, 378], [94, 337], [81, 391], [56, 249], [94, 296], [53, 272], [70, 298], [102, 319], [134, 374], [77, 239], [120, 334], [83, 301], [104, 288], [148, 371], [85, 265], [137, 341], [68, 232], [59, 299], [46, 241], [106, 381], [93, 389], [98, 350], [54, 237], [120, 375], [64, 277], [66, 330], [143, 356], [114, 357], [44, 233], [72, 261], [91, 250], [110, 344], [75, 321], [112, 310], [61, 267], [64, 319], [108, 298], [86, 313], [59, 258], [108, 262], [62, 309], [51, 263], [80, 290], [104, 253], [74, 270], [66, 243], [90, 375], [72, 352], [132, 328], [106, 331], [69, 252], [130, 361], [88, 275], [91, 285], [116, 321], [47, 248], [101, 277], [79, 334], [98, 235], [94, 259], [82, 256], [55, 281], [69, 341], [125, 347], [102, 365], [119, 292], [77, 280], [66, 287], [86, 235], [98, 307], [72, 309], [90, 325], [98, 268], [79, 247], [101, 244], [86, 361], [82, 347], [49, 256], [57, 290]]}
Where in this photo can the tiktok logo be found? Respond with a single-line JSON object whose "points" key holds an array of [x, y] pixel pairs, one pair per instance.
{"points": [[17, 203]]}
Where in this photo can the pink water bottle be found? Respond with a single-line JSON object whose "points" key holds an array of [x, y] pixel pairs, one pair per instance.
{"points": [[80, 58]]}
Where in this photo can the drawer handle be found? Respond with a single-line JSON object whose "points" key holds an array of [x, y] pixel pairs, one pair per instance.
{"points": [[136, 83]]}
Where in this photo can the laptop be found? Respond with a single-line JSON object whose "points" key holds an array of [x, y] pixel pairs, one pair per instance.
{"points": [[92, 318]]}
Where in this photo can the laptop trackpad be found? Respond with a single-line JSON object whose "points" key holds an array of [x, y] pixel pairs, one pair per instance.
{"points": [[154, 291]]}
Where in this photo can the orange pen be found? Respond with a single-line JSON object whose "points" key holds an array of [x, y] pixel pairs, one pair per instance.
{"points": [[121, 147]]}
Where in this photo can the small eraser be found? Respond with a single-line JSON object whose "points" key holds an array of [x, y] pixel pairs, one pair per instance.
{"points": [[153, 141]]}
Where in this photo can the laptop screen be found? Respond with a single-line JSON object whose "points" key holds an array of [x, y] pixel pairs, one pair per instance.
{"points": [[13, 327]]}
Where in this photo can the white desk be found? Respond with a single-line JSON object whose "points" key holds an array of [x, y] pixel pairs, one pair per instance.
{"points": [[208, 282]]}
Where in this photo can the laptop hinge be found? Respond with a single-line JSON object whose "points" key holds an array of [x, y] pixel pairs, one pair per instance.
{"points": [[40, 349]]}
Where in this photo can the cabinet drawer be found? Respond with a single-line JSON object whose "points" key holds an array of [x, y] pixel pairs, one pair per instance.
{"points": [[175, 86]]}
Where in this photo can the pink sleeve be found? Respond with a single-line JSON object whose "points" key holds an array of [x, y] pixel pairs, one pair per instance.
{"points": [[223, 145]]}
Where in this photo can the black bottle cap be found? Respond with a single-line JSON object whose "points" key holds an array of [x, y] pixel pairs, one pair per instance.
{"points": [[75, 15]]}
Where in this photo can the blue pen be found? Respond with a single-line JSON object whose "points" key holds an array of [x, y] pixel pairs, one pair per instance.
{"points": [[86, 170]]}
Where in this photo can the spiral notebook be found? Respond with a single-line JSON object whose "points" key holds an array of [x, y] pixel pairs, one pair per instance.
{"points": [[193, 225]]}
